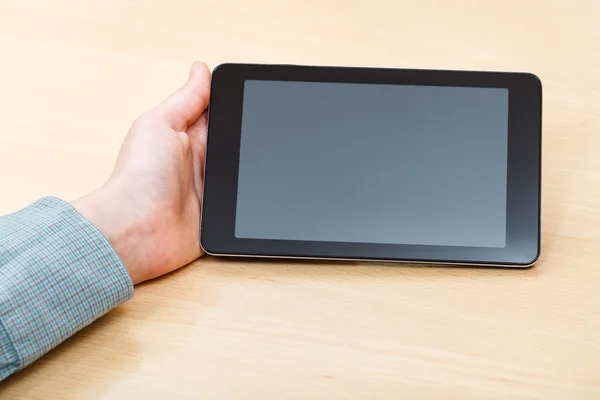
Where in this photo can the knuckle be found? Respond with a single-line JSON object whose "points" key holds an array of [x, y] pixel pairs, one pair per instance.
{"points": [[143, 121]]}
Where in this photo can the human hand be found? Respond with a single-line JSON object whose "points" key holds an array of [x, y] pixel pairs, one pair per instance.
{"points": [[149, 209]]}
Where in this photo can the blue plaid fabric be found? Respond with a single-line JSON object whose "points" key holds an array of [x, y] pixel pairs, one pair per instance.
{"points": [[58, 273]]}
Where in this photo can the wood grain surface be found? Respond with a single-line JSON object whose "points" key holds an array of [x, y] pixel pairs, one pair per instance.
{"points": [[75, 73]]}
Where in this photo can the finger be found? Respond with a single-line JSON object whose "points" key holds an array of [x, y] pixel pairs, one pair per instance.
{"points": [[197, 133], [184, 107]]}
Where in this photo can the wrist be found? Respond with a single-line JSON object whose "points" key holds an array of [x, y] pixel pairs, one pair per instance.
{"points": [[128, 231]]}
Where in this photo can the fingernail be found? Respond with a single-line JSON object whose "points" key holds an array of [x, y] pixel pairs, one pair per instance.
{"points": [[195, 66]]}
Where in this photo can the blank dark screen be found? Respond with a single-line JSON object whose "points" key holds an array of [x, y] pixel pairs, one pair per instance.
{"points": [[373, 163]]}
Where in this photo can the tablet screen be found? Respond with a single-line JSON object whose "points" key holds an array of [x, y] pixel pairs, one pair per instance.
{"points": [[373, 163]]}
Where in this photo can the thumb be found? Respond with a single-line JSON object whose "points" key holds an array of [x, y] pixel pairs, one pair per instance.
{"points": [[185, 106], [197, 133]]}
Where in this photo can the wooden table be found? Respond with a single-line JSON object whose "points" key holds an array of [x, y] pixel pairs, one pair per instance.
{"points": [[75, 73]]}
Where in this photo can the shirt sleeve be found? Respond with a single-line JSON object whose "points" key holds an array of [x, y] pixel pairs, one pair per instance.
{"points": [[58, 273]]}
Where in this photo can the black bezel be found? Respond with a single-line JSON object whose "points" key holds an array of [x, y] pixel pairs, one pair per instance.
{"points": [[523, 175]]}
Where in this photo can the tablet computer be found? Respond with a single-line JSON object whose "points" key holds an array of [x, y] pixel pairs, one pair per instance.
{"points": [[373, 164]]}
